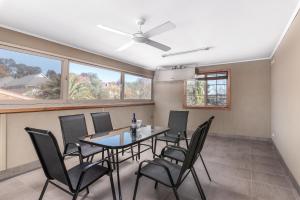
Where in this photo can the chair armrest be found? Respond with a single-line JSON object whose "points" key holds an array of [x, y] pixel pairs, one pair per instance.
{"points": [[176, 148], [75, 144], [149, 162]]}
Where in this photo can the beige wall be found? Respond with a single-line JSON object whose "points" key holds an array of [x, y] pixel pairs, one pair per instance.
{"points": [[250, 112], [285, 93], [19, 148]]}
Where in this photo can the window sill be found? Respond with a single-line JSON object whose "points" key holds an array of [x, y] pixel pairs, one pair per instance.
{"points": [[72, 107], [208, 107]]}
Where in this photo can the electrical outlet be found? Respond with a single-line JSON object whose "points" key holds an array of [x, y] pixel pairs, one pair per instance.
{"points": [[273, 134]]}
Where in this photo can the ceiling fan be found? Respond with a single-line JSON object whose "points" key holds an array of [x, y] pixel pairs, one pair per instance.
{"points": [[186, 52], [143, 37]]}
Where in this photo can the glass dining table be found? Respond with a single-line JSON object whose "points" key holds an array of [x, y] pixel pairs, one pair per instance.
{"points": [[117, 140]]}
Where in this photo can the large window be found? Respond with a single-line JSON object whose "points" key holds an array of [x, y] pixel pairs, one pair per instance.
{"points": [[93, 83], [137, 87], [29, 77], [208, 90]]}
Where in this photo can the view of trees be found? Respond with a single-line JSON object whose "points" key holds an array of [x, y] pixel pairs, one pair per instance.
{"points": [[139, 89], [196, 94], [86, 86], [28, 81], [31, 77]]}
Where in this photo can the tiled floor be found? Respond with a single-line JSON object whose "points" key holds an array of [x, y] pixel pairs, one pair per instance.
{"points": [[240, 169]]}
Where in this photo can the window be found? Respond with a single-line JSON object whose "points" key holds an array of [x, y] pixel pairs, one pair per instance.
{"points": [[208, 89], [137, 87], [25, 76], [93, 83]]}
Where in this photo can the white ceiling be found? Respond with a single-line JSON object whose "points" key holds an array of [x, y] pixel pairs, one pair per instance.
{"points": [[238, 29]]}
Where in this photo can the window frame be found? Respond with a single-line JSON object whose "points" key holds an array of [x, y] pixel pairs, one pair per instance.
{"points": [[37, 101], [93, 101], [228, 91], [64, 100], [136, 100]]}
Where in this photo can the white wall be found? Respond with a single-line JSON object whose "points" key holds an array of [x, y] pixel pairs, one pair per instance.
{"points": [[285, 93]]}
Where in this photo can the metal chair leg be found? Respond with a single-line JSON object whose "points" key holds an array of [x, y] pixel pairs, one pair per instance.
{"points": [[176, 194], [75, 195], [155, 186], [87, 190], [154, 148], [205, 168], [132, 154], [136, 186], [44, 189], [112, 185], [198, 184]]}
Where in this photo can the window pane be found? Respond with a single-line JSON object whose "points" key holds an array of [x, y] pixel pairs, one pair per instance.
{"points": [[221, 89], [137, 87], [28, 77], [195, 94], [212, 100], [91, 83]]}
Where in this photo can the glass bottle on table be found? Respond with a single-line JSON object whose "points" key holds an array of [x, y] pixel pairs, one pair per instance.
{"points": [[133, 124]]}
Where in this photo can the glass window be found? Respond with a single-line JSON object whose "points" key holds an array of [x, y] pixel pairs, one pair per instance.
{"points": [[137, 87], [93, 83], [209, 89], [24, 76]]}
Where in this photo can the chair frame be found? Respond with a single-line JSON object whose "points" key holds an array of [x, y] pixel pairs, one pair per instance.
{"points": [[186, 168], [67, 144], [178, 137], [176, 148], [73, 192]]}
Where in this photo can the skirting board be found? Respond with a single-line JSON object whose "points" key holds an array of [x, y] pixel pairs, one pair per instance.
{"points": [[240, 137], [294, 182], [10, 173]]}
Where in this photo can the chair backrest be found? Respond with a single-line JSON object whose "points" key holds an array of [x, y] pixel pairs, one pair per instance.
{"points": [[102, 122], [209, 121], [49, 155], [73, 127], [177, 121], [192, 151]]}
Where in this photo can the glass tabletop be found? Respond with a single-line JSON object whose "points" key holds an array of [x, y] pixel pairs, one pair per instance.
{"points": [[123, 137]]}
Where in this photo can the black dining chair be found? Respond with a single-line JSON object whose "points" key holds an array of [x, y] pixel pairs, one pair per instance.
{"points": [[102, 122], [78, 178], [176, 153], [103, 125], [170, 174], [178, 127], [74, 127]]}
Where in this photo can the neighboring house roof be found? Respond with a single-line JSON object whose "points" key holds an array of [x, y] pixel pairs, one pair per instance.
{"points": [[30, 80]]}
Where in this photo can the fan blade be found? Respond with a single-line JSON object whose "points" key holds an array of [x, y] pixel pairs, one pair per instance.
{"points": [[114, 30], [160, 29], [125, 46], [186, 52], [157, 45]]}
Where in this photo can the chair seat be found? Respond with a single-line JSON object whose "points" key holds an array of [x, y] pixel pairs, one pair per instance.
{"points": [[90, 176], [174, 154], [87, 150], [159, 173]]}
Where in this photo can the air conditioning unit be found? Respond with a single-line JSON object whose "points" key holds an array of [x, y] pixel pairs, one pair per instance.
{"points": [[177, 73]]}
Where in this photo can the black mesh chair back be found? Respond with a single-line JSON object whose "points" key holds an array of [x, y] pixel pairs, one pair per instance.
{"points": [[72, 128], [205, 134], [177, 122], [192, 151], [102, 122], [49, 155]]}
